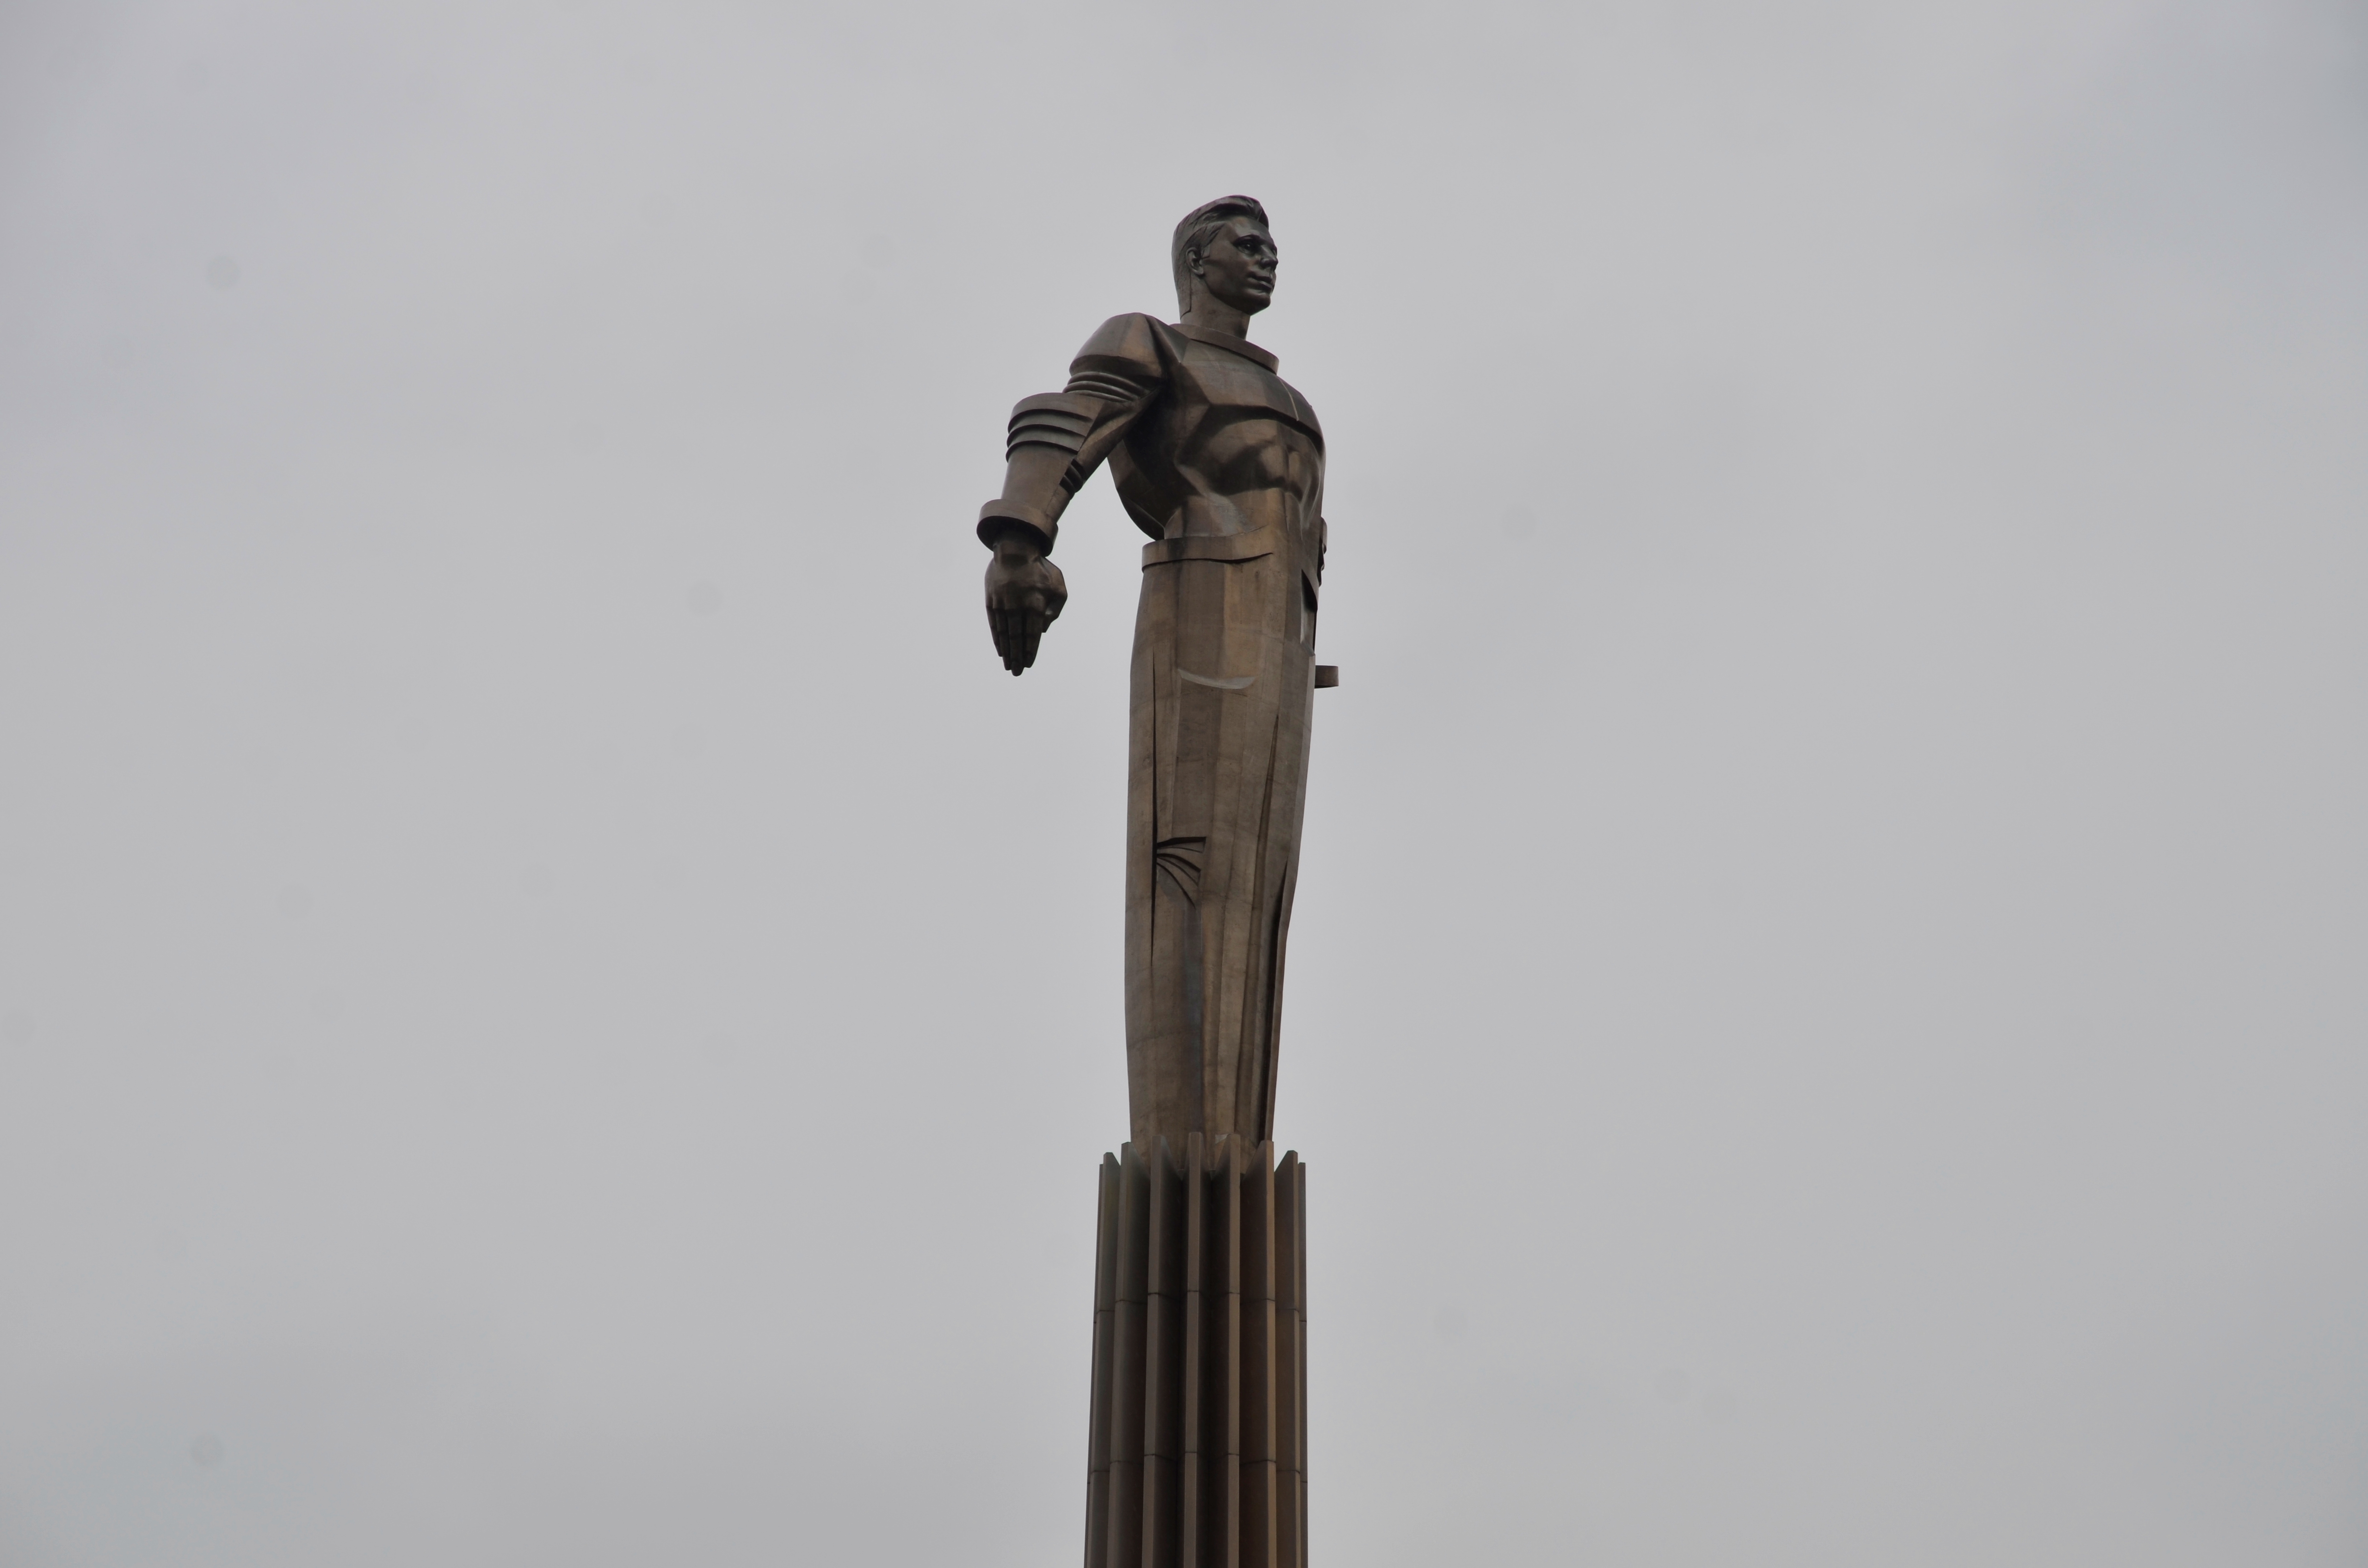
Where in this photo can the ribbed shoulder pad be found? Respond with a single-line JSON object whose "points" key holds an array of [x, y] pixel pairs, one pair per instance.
{"points": [[1131, 347]]}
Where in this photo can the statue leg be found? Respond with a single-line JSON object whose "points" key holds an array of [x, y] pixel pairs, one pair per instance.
{"points": [[1222, 684], [1166, 842], [1258, 784]]}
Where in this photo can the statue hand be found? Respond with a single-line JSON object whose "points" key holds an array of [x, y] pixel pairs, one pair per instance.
{"points": [[1024, 595]]}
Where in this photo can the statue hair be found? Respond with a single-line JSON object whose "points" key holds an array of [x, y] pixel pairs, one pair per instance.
{"points": [[1200, 226]]}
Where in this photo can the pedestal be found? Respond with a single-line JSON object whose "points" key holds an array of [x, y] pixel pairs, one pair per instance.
{"points": [[1198, 1452]]}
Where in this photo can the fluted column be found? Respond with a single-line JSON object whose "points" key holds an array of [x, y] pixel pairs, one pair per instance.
{"points": [[1197, 1455]]}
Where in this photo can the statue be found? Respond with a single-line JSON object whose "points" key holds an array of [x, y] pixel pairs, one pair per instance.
{"points": [[1197, 1457], [1221, 462]]}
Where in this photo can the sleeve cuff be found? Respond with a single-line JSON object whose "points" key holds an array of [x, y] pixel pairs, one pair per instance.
{"points": [[997, 516]]}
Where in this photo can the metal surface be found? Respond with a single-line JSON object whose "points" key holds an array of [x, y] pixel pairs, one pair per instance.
{"points": [[1198, 1451], [1221, 462]]}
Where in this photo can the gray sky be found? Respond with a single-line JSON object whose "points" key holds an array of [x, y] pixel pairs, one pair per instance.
{"points": [[558, 1008]]}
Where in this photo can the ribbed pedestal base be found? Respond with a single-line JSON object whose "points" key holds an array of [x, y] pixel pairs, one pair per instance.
{"points": [[1199, 1418]]}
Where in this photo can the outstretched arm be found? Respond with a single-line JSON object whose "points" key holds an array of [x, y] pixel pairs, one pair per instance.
{"points": [[1056, 443]]}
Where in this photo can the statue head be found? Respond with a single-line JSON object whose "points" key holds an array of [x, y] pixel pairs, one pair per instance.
{"points": [[1223, 249]]}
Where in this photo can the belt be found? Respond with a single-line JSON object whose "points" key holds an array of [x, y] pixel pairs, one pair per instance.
{"points": [[1213, 547]]}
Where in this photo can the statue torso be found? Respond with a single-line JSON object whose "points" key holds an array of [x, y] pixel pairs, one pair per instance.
{"points": [[1229, 446]]}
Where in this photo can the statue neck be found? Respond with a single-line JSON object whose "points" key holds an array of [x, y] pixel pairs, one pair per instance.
{"points": [[1215, 315]]}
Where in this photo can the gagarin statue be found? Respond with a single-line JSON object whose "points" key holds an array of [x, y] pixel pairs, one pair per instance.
{"points": [[1221, 462]]}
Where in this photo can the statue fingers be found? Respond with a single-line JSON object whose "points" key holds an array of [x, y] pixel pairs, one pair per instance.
{"points": [[1006, 624]]}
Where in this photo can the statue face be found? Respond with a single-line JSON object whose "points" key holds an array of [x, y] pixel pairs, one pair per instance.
{"points": [[1239, 267]]}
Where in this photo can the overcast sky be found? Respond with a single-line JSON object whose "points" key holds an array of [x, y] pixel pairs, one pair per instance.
{"points": [[560, 1009]]}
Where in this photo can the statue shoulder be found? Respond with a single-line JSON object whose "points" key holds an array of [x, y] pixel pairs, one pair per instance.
{"points": [[1135, 347]]}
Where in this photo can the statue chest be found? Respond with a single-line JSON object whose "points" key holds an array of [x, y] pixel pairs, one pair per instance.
{"points": [[1212, 389]]}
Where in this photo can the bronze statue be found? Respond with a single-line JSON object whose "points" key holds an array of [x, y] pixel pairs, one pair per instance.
{"points": [[1198, 1438], [1221, 462]]}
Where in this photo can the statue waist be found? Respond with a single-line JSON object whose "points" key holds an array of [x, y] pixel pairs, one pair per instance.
{"points": [[1258, 543], [1248, 546]]}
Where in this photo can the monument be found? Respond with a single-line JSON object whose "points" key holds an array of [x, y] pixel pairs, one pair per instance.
{"points": [[1198, 1449]]}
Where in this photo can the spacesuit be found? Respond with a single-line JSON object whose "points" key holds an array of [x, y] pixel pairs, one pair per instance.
{"points": [[1221, 462]]}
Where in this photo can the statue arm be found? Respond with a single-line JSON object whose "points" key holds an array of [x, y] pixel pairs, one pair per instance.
{"points": [[1055, 441]]}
